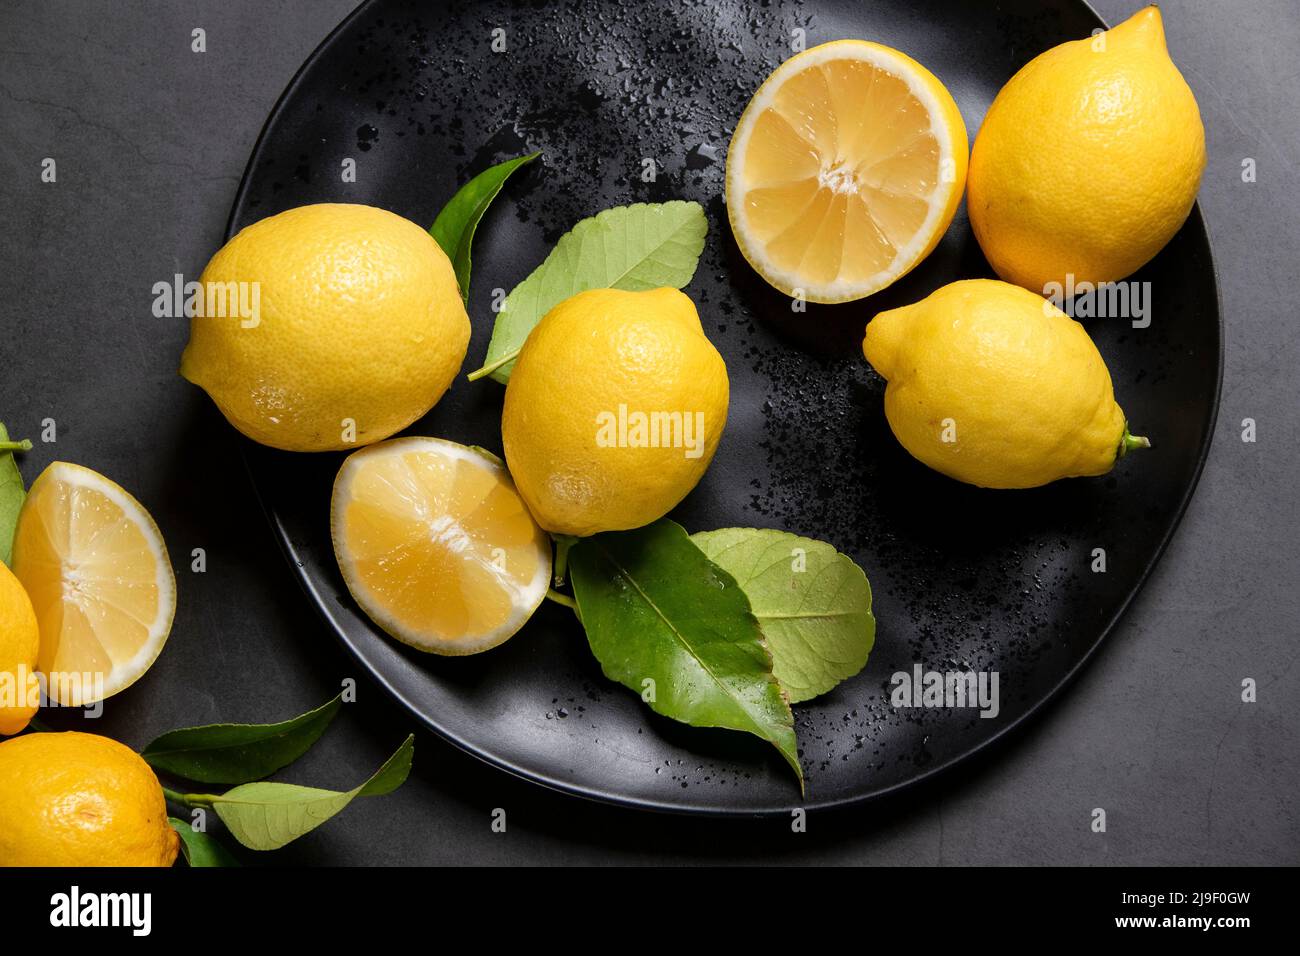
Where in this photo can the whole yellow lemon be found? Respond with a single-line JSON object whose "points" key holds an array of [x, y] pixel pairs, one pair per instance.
{"points": [[1088, 161], [350, 328], [76, 799], [20, 642], [613, 411], [995, 386]]}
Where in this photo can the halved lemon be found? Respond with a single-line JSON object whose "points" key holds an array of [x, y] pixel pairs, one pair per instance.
{"points": [[844, 171], [436, 545], [96, 568]]}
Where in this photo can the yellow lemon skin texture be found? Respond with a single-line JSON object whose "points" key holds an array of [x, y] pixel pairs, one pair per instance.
{"points": [[20, 642], [360, 328], [1088, 161], [588, 372], [994, 386], [74, 799]]}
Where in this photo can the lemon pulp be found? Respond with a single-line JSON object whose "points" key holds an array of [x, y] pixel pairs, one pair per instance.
{"points": [[845, 169], [96, 569], [436, 545]]}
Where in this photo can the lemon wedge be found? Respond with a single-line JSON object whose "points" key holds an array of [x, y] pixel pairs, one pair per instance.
{"points": [[436, 545], [96, 568], [844, 171]]}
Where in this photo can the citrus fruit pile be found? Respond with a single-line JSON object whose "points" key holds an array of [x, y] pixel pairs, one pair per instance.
{"points": [[86, 604], [847, 167], [845, 171]]}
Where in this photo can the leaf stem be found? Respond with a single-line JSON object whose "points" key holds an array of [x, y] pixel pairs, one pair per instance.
{"points": [[558, 598], [563, 542], [24, 445], [491, 367], [190, 799]]}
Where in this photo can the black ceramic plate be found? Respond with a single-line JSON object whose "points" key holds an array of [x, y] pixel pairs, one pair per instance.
{"points": [[963, 578]]}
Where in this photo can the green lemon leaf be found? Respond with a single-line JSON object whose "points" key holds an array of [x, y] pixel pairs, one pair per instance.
{"points": [[638, 247], [266, 816], [812, 603], [200, 848], [455, 225], [11, 491], [668, 623], [238, 753]]}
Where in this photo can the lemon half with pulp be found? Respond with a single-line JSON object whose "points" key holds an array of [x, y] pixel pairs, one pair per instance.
{"points": [[436, 545], [96, 568], [845, 170]]}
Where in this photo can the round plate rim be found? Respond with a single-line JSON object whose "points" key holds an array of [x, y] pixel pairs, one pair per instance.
{"points": [[701, 809]]}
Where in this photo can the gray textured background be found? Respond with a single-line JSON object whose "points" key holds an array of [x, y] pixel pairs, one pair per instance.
{"points": [[151, 139]]}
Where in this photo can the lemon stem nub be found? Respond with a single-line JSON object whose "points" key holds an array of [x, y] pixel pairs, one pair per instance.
{"points": [[1132, 442], [24, 445], [563, 542]]}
